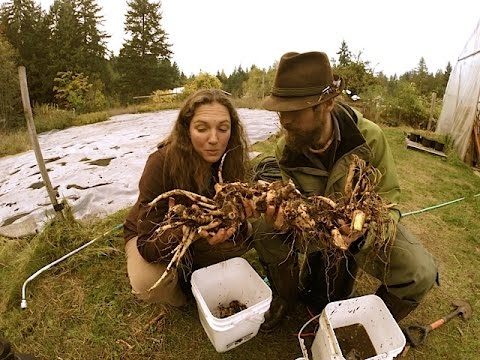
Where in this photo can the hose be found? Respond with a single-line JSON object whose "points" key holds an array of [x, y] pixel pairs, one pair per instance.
{"points": [[23, 304], [436, 206], [265, 170]]}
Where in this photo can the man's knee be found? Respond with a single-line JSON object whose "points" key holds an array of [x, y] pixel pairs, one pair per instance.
{"points": [[416, 268]]}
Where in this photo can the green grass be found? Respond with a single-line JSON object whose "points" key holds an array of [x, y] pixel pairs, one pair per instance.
{"points": [[83, 309]]}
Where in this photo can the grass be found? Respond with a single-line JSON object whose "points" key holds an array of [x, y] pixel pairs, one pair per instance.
{"points": [[82, 308], [47, 117]]}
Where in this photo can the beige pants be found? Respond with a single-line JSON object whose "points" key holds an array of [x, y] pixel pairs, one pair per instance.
{"points": [[143, 275]]}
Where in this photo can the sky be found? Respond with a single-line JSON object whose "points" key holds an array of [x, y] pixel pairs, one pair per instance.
{"points": [[212, 35]]}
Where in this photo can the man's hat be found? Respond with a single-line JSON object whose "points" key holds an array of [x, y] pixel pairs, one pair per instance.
{"points": [[302, 81]]}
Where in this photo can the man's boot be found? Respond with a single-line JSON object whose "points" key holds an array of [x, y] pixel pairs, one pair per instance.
{"points": [[398, 307], [321, 285], [7, 353], [283, 279]]}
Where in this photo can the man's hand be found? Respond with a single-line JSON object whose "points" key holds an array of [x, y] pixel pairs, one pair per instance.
{"points": [[275, 217], [250, 209]]}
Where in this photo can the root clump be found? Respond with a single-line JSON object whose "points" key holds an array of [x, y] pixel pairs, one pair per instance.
{"points": [[332, 224]]}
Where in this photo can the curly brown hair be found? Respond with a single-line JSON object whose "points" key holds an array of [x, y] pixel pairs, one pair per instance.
{"points": [[181, 155]]}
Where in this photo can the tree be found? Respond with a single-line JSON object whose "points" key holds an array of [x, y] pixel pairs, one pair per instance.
{"points": [[356, 72], [201, 81], [23, 23], [9, 90], [406, 104], [422, 78], [344, 54], [144, 60], [76, 42], [71, 89], [259, 82], [234, 83], [93, 40]]}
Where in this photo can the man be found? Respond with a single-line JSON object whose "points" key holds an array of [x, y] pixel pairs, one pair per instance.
{"points": [[321, 136]]}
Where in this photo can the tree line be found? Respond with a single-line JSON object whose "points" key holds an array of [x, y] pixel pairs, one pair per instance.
{"points": [[69, 65]]}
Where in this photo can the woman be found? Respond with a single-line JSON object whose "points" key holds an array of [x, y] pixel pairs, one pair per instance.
{"points": [[207, 126]]}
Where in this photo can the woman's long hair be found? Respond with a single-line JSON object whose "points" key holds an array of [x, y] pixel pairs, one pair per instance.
{"points": [[183, 164]]}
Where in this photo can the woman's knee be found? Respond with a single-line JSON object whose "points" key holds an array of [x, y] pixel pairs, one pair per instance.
{"points": [[143, 278]]}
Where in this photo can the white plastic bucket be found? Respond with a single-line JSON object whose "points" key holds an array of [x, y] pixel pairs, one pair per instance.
{"points": [[229, 280], [371, 312]]}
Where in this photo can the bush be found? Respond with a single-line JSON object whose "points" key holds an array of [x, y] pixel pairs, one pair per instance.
{"points": [[74, 92], [164, 98], [201, 81]]}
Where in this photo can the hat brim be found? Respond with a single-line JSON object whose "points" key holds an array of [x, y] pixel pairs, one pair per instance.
{"points": [[281, 103]]}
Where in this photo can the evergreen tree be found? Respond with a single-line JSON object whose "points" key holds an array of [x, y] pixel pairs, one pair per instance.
{"points": [[24, 27], [77, 44], [446, 75], [9, 90], [234, 83], [356, 72], [144, 60], [344, 54], [222, 77], [93, 40]]}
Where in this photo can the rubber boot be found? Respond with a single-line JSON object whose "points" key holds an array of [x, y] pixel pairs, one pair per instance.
{"points": [[6, 352], [284, 279], [321, 286], [398, 307]]}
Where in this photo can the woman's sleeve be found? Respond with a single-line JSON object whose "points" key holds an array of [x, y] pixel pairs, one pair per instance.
{"points": [[151, 246]]}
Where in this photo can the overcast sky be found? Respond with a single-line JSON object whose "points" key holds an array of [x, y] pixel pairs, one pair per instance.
{"points": [[211, 35]]}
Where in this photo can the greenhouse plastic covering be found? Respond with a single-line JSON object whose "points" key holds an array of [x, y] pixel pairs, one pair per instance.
{"points": [[461, 101]]}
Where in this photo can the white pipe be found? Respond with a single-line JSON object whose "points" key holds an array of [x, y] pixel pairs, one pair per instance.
{"points": [[23, 304]]}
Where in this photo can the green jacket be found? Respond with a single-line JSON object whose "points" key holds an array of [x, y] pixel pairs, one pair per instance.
{"points": [[358, 136]]}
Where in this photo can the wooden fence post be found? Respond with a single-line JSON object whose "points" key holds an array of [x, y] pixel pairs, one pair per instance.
{"points": [[432, 109], [27, 110]]}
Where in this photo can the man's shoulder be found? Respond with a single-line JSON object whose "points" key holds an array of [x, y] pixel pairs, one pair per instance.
{"points": [[368, 127]]}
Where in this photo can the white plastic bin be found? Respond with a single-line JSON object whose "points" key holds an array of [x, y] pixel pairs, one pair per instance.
{"points": [[371, 312], [233, 279]]}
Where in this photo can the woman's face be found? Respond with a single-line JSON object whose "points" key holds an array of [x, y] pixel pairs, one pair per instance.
{"points": [[210, 131]]}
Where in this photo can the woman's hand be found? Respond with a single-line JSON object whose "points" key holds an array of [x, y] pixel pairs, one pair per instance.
{"points": [[219, 237]]}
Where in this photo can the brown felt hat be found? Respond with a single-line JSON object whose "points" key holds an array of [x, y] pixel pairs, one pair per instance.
{"points": [[302, 81]]}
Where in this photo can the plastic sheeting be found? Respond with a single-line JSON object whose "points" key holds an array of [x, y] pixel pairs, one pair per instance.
{"points": [[462, 96], [96, 167]]}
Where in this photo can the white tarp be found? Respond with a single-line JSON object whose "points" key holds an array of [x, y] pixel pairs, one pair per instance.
{"points": [[95, 167], [462, 95]]}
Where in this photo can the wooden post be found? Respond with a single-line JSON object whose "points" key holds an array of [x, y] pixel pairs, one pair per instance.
{"points": [[27, 110], [432, 109], [377, 111]]}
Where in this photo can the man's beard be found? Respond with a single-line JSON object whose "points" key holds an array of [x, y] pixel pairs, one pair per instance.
{"points": [[300, 140]]}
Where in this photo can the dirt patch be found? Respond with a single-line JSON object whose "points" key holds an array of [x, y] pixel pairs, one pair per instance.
{"points": [[223, 311], [101, 162], [354, 342]]}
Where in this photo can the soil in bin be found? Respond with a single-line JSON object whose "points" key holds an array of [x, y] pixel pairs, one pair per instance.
{"points": [[354, 342], [223, 311]]}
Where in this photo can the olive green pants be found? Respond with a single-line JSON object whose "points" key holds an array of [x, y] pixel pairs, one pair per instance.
{"points": [[409, 274]]}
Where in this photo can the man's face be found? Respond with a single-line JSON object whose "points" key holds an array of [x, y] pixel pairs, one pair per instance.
{"points": [[304, 127]]}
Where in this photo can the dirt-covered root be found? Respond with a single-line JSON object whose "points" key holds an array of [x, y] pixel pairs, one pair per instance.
{"points": [[333, 225]]}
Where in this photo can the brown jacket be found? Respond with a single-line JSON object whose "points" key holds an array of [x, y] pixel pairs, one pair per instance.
{"points": [[143, 220]]}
